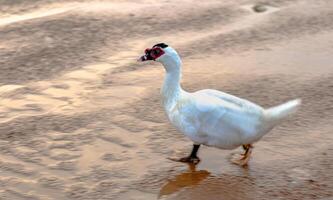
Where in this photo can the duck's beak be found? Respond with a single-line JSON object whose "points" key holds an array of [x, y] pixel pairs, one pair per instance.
{"points": [[146, 57], [143, 58]]}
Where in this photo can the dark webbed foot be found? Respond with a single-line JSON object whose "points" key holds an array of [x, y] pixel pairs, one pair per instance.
{"points": [[188, 159], [193, 158]]}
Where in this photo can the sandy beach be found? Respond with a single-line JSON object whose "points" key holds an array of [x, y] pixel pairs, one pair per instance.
{"points": [[81, 119]]}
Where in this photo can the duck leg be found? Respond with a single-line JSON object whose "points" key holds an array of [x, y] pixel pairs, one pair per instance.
{"points": [[245, 156], [192, 158]]}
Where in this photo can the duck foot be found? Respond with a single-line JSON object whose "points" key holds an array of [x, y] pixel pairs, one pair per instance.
{"points": [[192, 158], [188, 159], [245, 157]]}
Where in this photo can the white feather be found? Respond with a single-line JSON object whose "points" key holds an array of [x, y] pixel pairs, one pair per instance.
{"points": [[215, 118]]}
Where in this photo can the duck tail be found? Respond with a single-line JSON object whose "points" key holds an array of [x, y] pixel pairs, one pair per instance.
{"points": [[277, 114]]}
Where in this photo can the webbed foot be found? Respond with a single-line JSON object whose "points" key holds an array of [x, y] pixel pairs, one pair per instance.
{"points": [[245, 157], [188, 159], [192, 158]]}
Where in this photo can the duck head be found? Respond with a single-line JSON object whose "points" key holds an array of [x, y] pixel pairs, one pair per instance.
{"points": [[164, 54]]}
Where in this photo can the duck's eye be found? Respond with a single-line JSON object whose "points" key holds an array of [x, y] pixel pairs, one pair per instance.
{"points": [[156, 51]]}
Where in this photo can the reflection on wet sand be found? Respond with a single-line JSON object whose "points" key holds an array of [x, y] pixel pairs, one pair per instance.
{"points": [[190, 178], [198, 184]]}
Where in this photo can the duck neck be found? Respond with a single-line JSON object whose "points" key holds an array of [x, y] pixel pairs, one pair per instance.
{"points": [[171, 89]]}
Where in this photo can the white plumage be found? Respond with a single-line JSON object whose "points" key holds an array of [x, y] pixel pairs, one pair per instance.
{"points": [[215, 118]]}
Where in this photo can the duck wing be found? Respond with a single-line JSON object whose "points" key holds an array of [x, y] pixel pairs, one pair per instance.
{"points": [[230, 99], [221, 113]]}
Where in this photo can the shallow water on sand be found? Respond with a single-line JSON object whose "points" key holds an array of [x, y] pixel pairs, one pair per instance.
{"points": [[81, 119]]}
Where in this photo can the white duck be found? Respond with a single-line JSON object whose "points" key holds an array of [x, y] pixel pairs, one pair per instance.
{"points": [[211, 117]]}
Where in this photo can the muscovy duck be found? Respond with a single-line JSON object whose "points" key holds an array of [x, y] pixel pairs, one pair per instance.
{"points": [[210, 117]]}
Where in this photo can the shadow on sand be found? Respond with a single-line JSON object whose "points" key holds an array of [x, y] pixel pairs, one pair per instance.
{"points": [[198, 184]]}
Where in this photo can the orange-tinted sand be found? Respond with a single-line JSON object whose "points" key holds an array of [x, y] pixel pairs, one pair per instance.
{"points": [[81, 119]]}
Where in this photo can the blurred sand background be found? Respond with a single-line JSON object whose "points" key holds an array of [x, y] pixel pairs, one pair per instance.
{"points": [[80, 119]]}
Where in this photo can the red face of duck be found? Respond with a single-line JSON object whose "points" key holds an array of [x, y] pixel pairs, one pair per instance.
{"points": [[153, 53]]}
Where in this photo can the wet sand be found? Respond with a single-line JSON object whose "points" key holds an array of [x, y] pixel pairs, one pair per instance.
{"points": [[81, 119]]}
